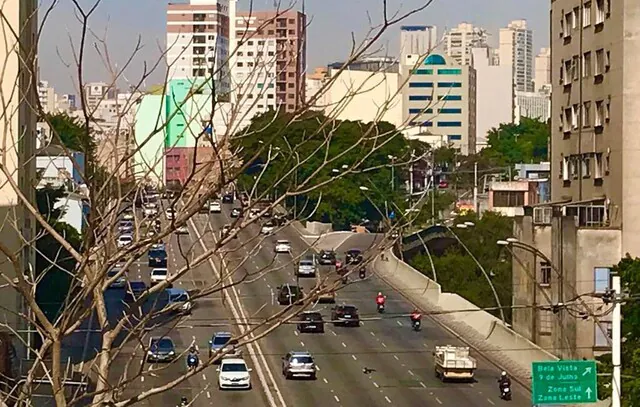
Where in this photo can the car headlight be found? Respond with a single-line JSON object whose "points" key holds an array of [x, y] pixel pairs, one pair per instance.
{"points": [[172, 353], [149, 353]]}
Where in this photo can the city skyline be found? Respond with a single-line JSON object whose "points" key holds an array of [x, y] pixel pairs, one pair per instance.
{"points": [[152, 31]]}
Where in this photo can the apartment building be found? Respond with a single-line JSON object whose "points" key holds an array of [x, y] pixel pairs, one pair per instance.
{"points": [[198, 41], [459, 41], [594, 216], [96, 92], [440, 99], [268, 60], [18, 133], [516, 50], [418, 39], [534, 105], [542, 75], [47, 97]]}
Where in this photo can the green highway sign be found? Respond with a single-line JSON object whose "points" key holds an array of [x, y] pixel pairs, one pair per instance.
{"points": [[564, 382]]}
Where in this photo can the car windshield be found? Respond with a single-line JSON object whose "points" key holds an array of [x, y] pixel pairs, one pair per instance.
{"points": [[163, 344], [182, 297], [349, 310], [138, 285], [313, 317], [112, 272], [234, 367], [307, 263], [125, 238], [290, 288], [301, 359], [126, 223], [159, 272], [221, 340], [157, 253], [286, 242]]}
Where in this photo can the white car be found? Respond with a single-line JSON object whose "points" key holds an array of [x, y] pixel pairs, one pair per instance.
{"points": [[268, 228], [158, 275], [233, 373], [128, 216], [170, 213], [150, 211], [283, 246], [182, 230], [124, 241], [215, 207]]}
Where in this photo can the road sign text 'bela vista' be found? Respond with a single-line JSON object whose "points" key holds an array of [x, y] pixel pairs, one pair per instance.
{"points": [[564, 382]]}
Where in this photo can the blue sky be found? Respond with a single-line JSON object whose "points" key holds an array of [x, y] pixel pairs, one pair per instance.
{"points": [[330, 31]]}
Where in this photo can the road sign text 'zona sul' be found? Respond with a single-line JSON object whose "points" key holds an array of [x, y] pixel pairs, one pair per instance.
{"points": [[564, 382]]}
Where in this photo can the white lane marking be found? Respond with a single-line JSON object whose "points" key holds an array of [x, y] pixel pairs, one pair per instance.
{"points": [[344, 345], [376, 384], [410, 372], [395, 357], [383, 345], [388, 399], [491, 402], [208, 395], [354, 357], [204, 377], [324, 379], [423, 385], [372, 334], [317, 368], [334, 334], [336, 397], [438, 400], [150, 368], [301, 343], [142, 378], [399, 323], [295, 332]]}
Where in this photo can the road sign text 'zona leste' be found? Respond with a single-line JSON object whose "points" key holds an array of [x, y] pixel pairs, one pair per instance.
{"points": [[564, 382]]}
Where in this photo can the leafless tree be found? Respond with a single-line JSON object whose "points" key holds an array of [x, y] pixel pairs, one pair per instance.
{"points": [[118, 175]]}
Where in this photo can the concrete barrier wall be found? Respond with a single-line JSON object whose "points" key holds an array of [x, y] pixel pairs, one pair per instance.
{"points": [[479, 329], [318, 228]]}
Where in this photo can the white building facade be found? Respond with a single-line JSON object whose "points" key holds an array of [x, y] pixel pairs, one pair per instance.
{"points": [[534, 105], [418, 39], [494, 94], [198, 41], [47, 97], [516, 50], [542, 78], [459, 41]]}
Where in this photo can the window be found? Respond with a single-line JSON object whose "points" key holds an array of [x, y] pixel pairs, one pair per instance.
{"points": [[566, 120], [421, 84], [607, 111], [575, 67], [600, 12], [565, 169], [568, 25], [419, 110], [450, 97], [574, 167], [449, 84], [562, 28], [545, 273], [599, 119], [586, 165], [601, 279], [508, 199], [249, 54], [423, 72], [602, 334], [546, 321], [454, 137], [586, 114], [449, 124], [586, 64], [598, 166], [575, 16], [607, 61], [451, 71], [419, 98], [607, 163], [586, 14], [567, 73], [600, 63], [450, 110]]}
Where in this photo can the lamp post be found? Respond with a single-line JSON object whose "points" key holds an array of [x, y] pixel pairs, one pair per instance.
{"points": [[467, 225], [393, 166]]}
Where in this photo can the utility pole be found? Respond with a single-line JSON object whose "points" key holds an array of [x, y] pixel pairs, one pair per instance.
{"points": [[433, 188], [616, 384], [475, 187]]}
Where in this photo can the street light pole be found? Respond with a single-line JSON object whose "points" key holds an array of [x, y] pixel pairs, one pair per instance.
{"points": [[616, 344]]}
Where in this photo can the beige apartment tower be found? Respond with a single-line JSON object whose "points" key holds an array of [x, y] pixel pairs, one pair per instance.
{"points": [[18, 85], [594, 217]]}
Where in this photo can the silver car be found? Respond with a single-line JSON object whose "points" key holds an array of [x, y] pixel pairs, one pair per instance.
{"points": [[307, 267], [298, 364]]}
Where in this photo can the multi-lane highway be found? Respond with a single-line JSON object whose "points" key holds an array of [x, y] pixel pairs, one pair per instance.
{"points": [[398, 361]]}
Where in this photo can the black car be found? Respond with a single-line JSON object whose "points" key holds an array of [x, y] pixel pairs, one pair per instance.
{"points": [[327, 258], [236, 212], [227, 198], [134, 290], [311, 321], [346, 315], [161, 350], [353, 256], [289, 294], [157, 258]]}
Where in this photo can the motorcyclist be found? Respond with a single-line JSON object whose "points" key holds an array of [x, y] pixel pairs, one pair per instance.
{"points": [[415, 316], [184, 402], [192, 357], [504, 381], [380, 299]]}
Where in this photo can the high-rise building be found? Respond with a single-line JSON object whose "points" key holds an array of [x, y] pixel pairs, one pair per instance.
{"points": [[459, 41], [47, 97], [268, 60], [593, 219], [516, 49], [494, 94], [417, 39], [96, 92], [18, 82], [542, 78], [534, 105], [440, 99], [198, 41]]}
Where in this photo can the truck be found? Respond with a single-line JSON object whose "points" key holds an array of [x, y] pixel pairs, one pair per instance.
{"points": [[454, 363]]}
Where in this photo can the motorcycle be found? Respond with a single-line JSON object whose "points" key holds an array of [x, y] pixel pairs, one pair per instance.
{"points": [[505, 391], [380, 308], [415, 324], [192, 362]]}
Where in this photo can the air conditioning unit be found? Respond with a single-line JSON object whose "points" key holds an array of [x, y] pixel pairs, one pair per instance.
{"points": [[542, 215]]}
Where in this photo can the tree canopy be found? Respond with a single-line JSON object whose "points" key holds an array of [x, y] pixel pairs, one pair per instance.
{"points": [[457, 272], [510, 143], [629, 271], [69, 129], [311, 150]]}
